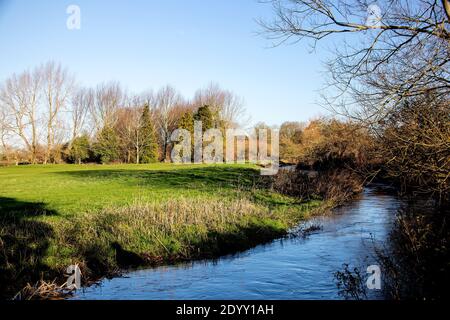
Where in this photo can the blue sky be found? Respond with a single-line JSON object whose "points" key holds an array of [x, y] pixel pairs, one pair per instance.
{"points": [[185, 43]]}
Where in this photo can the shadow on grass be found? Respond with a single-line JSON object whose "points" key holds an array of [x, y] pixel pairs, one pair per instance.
{"points": [[177, 177], [23, 244]]}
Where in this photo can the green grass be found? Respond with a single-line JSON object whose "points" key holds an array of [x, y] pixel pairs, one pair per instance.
{"points": [[105, 217], [70, 189]]}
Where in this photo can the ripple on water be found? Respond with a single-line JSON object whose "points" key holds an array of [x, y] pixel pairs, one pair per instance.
{"points": [[297, 268]]}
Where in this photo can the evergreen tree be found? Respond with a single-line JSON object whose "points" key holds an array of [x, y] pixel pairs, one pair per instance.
{"points": [[149, 148], [205, 115], [107, 146], [79, 150], [187, 122]]}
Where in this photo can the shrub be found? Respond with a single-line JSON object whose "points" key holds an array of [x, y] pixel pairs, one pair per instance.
{"points": [[415, 147], [336, 186], [80, 149]]}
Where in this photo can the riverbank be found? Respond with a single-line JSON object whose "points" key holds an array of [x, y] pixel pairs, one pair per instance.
{"points": [[287, 268], [109, 218]]}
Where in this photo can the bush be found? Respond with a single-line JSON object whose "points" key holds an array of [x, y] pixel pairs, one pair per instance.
{"points": [[415, 147], [80, 149], [336, 186]]}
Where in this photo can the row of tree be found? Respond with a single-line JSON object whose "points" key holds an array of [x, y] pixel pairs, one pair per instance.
{"points": [[134, 141], [45, 117]]}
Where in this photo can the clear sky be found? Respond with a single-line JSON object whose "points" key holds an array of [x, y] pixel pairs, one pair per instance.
{"points": [[146, 44]]}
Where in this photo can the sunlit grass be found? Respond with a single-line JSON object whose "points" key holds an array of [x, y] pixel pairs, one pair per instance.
{"points": [[99, 216], [73, 188]]}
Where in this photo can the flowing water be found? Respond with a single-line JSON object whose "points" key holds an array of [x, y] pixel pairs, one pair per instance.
{"points": [[289, 268]]}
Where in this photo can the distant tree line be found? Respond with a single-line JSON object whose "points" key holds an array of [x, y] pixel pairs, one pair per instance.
{"points": [[45, 117]]}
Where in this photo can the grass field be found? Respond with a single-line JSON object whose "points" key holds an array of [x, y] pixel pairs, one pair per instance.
{"points": [[69, 189], [106, 217]]}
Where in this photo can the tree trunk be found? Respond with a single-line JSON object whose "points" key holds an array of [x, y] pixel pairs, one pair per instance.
{"points": [[137, 156], [446, 4]]}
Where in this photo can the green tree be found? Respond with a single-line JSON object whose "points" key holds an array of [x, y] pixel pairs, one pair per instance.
{"points": [[187, 122], [205, 115], [149, 148], [107, 146], [79, 150]]}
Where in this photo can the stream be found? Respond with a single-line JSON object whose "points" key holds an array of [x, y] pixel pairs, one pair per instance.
{"points": [[300, 267]]}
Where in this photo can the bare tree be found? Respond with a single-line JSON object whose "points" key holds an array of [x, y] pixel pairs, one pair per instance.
{"points": [[167, 100], [82, 102], [20, 99], [225, 105], [4, 131], [108, 98], [128, 126], [57, 88], [403, 49]]}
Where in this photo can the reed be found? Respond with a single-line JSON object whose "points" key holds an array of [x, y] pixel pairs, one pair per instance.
{"points": [[143, 233]]}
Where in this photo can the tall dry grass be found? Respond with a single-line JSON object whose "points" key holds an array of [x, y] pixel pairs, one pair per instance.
{"points": [[142, 233], [147, 233]]}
